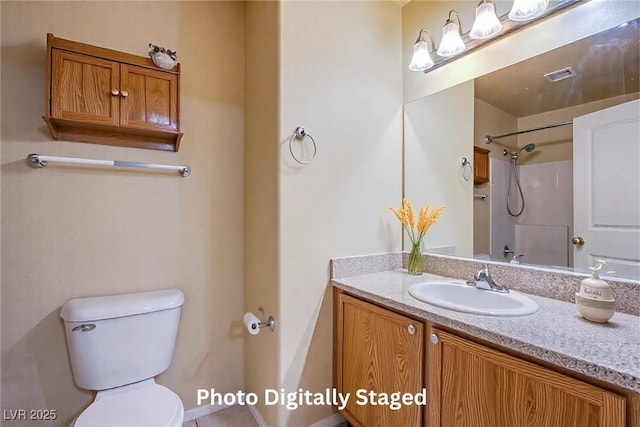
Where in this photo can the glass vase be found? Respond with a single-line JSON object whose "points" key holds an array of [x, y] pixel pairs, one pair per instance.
{"points": [[415, 265]]}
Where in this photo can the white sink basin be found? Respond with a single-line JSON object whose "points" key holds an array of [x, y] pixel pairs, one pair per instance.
{"points": [[468, 299]]}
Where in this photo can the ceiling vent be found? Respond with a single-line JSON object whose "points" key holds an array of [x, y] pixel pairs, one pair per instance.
{"points": [[556, 76]]}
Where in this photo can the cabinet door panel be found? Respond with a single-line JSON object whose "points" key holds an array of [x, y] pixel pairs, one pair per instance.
{"points": [[478, 386], [151, 100], [380, 355], [480, 165], [82, 88]]}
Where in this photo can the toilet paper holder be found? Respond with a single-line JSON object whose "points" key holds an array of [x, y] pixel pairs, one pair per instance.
{"points": [[270, 323]]}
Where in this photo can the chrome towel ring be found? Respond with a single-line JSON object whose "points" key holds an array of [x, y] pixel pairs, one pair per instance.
{"points": [[463, 163], [301, 133]]}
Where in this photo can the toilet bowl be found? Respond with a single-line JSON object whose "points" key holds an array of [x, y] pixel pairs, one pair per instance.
{"points": [[136, 405], [117, 345]]}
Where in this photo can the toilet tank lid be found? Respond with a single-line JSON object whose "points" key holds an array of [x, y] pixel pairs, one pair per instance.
{"points": [[112, 306]]}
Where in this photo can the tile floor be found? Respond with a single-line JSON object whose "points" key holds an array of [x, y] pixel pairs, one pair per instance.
{"points": [[235, 416]]}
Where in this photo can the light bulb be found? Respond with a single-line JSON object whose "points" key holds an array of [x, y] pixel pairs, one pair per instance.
{"points": [[487, 23], [525, 10], [421, 59], [451, 43]]}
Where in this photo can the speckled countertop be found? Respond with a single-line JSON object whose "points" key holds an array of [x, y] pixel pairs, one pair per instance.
{"points": [[555, 333]]}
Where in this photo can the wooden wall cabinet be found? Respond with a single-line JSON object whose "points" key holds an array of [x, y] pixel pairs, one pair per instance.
{"points": [[377, 350], [480, 165], [108, 97], [474, 385]]}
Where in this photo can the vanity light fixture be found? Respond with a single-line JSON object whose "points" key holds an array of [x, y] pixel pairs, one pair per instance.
{"points": [[451, 43], [422, 58], [487, 23], [526, 10], [455, 45]]}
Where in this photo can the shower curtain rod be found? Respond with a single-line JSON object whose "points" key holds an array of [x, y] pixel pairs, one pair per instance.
{"points": [[488, 139]]}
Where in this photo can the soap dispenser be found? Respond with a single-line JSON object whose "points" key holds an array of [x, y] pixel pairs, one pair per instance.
{"points": [[594, 301]]}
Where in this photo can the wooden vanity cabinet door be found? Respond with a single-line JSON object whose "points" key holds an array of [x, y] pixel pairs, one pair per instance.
{"points": [[81, 88], [149, 98], [381, 351], [473, 385]]}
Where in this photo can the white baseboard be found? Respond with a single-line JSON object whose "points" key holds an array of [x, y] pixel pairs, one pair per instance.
{"points": [[257, 416], [331, 421], [202, 411]]}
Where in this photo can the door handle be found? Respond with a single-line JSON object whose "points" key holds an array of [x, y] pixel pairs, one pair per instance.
{"points": [[578, 241]]}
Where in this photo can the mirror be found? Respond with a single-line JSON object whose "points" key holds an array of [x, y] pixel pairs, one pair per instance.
{"points": [[536, 173]]}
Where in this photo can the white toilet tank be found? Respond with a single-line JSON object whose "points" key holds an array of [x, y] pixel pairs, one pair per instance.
{"points": [[121, 339]]}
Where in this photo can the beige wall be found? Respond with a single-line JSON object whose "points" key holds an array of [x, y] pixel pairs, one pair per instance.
{"points": [[317, 75], [341, 78], [261, 196], [433, 173], [488, 120], [69, 232]]}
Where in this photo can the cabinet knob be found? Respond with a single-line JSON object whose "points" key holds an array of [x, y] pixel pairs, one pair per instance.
{"points": [[411, 329], [114, 92], [125, 93], [434, 339]]}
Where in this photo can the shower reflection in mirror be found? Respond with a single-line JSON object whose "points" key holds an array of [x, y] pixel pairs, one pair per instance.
{"points": [[525, 191], [514, 178]]}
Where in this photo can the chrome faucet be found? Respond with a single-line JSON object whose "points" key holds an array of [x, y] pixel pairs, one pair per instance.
{"points": [[515, 259], [483, 280]]}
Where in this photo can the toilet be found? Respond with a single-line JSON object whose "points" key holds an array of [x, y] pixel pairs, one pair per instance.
{"points": [[117, 345]]}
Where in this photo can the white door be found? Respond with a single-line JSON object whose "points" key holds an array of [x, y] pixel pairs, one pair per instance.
{"points": [[606, 188]]}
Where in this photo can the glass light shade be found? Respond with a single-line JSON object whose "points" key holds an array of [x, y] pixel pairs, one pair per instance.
{"points": [[525, 10], [421, 59], [451, 43], [487, 23]]}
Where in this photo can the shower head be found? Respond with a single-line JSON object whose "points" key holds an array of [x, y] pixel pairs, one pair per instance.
{"points": [[514, 154], [529, 148]]}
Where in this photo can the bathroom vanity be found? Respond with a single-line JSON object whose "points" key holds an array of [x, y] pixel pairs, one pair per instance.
{"points": [[547, 369]]}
